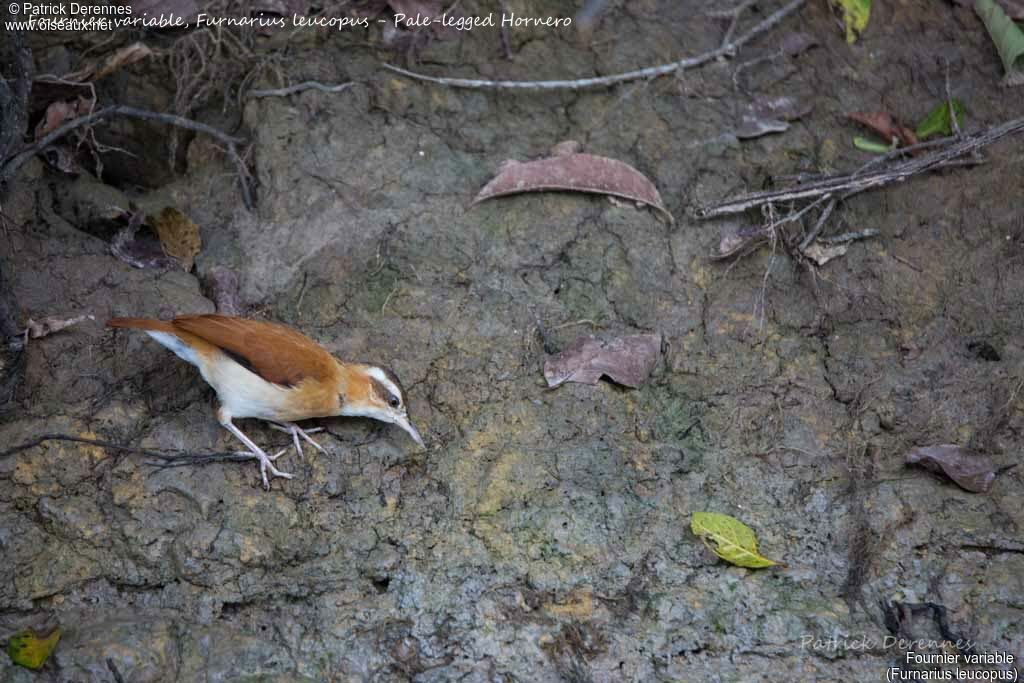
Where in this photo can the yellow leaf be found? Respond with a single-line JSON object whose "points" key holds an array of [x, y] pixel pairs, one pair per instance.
{"points": [[30, 650], [178, 235], [729, 538], [855, 17]]}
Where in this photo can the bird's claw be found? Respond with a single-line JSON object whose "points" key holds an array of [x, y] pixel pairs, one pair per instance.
{"points": [[296, 431], [267, 464]]}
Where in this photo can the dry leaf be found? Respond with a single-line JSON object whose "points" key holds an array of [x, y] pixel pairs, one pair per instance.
{"points": [[625, 360], [574, 172], [46, 326], [971, 471], [129, 54], [729, 538], [885, 125], [126, 55], [59, 112], [822, 254], [178, 235]]}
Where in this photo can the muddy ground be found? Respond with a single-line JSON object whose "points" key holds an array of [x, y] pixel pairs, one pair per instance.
{"points": [[543, 534]]}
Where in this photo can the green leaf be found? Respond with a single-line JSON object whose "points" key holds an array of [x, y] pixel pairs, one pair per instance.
{"points": [[1007, 36], [938, 120], [30, 650], [729, 538], [855, 17], [871, 146]]}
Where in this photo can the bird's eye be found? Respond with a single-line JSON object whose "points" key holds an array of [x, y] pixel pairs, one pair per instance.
{"points": [[394, 402]]}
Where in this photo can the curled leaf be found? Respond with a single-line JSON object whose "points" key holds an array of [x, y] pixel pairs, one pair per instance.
{"points": [[939, 122], [729, 538], [31, 650], [867, 145], [1008, 39], [127, 55], [178, 235], [574, 172], [971, 471], [625, 360]]}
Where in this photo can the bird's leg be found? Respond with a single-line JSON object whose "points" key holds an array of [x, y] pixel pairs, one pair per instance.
{"points": [[266, 461], [296, 431]]}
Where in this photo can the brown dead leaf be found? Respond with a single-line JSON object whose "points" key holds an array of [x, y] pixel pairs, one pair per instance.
{"points": [[129, 54], [625, 360], [178, 235], [885, 125], [572, 171], [60, 112], [971, 471], [47, 326]]}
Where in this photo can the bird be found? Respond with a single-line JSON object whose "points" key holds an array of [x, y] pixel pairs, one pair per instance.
{"points": [[273, 372]]}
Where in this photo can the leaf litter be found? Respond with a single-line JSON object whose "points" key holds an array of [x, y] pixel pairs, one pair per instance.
{"points": [[969, 470], [571, 170], [625, 360]]}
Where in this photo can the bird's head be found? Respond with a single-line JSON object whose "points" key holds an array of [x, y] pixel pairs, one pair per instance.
{"points": [[372, 391]]}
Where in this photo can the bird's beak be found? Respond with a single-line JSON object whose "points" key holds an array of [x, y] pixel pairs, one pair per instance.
{"points": [[404, 423]]}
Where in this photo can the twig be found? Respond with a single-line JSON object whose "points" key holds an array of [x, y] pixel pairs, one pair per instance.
{"points": [[850, 236], [724, 50], [813, 234], [734, 20], [12, 164], [167, 458], [299, 87], [844, 186], [954, 124]]}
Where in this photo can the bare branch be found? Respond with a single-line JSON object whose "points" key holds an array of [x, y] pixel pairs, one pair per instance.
{"points": [[727, 49], [844, 186]]}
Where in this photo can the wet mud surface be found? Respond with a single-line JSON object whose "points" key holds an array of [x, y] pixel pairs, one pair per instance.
{"points": [[543, 534]]}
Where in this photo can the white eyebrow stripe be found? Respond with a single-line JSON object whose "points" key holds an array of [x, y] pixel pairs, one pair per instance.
{"points": [[381, 377]]}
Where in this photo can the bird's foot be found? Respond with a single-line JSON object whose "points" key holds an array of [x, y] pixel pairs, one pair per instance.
{"points": [[267, 464], [296, 431]]}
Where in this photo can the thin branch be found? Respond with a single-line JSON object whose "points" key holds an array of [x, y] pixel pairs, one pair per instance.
{"points": [[844, 186], [864, 234], [813, 234], [299, 87], [165, 458], [10, 166], [724, 50]]}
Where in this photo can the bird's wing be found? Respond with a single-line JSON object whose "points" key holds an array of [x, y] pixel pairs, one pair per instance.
{"points": [[275, 352]]}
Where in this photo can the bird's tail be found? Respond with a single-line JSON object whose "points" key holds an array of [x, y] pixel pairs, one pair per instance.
{"points": [[142, 324]]}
